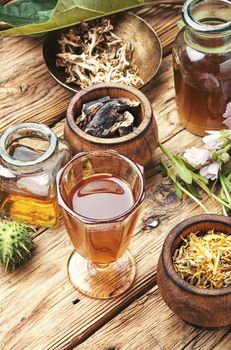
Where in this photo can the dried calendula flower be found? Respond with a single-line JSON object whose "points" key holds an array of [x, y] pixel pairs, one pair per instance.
{"points": [[204, 260]]}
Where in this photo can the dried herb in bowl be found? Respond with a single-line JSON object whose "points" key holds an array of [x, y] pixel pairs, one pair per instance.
{"points": [[108, 117], [91, 53], [204, 260]]}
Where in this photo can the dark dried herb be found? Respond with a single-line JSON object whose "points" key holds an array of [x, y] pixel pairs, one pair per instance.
{"points": [[107, 117]]}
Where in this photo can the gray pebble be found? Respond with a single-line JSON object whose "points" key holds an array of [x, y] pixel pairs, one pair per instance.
{"points": [[153, 223]]}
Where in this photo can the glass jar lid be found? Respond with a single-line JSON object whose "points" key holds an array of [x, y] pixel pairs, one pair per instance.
{"points": [[208, 16], [27, 130]]}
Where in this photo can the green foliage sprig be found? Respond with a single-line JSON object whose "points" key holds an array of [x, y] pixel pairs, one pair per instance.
{"points": [[207, 170]]}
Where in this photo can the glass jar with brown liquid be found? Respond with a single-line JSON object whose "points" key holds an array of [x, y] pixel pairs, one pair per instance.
{"points": [[30, 157], [202, 65]]}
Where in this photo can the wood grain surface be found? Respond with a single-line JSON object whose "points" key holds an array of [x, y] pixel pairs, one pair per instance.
{"points": [[148, 324], [39, 307]]}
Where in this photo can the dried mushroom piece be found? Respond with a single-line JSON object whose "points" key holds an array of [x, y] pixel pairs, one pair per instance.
{"points": [[89, 110], [104, 119], [107, 117], [92, 53], [123, 126], [126, 125]]}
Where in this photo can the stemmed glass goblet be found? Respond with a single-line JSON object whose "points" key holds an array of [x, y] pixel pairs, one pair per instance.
{"points": [[100, 195]]}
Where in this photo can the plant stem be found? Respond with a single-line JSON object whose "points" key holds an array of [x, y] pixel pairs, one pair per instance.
{"points": [[224, 211], [165, 151], [192, 197], [219, 200], [225, 149], [223, 185]]}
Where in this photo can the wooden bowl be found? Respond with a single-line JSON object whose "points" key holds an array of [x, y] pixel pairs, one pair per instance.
{"points": [[139, 145], [210, 308], [147, 47]]}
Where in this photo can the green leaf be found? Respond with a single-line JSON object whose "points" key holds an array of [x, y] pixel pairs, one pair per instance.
{"points": [[70, 12], [24, 12], [193, 190], [179, 193], [200, 179], [227, 181], [226, 189], [223, 196], [188, 165], [163, 169], [168, 171], [181, 170], [227, 184], [227, 170]]}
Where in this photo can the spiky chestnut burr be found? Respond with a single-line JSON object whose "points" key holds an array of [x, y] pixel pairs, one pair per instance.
{"points": [[16, 244]]}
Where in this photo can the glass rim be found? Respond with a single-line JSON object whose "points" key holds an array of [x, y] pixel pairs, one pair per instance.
{"points": [[88, 220], [49, 136], [200, 26]]}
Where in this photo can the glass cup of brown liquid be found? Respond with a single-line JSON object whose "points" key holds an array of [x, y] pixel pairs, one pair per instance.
{"points": [[100, 194]]}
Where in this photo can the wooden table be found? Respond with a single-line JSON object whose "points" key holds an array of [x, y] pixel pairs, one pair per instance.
{"points": [[39, 307]]}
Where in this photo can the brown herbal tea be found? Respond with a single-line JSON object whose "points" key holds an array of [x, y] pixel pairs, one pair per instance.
{"points": [[102, 197], [203, 90]]}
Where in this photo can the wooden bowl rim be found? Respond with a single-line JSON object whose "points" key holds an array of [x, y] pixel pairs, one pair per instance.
{"points": [[167, 256], [148, 115]]}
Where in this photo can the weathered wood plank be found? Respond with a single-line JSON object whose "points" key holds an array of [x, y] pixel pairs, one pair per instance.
{"points": [[164, 23], [224, 343], [27, 92], [149, 324]]}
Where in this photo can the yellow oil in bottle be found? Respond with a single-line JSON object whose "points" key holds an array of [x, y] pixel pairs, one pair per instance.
{"points": [[28, 207]]}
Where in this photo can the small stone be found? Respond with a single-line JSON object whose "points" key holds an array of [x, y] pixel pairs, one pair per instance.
{"points": [[24, 87], [153, 223]]}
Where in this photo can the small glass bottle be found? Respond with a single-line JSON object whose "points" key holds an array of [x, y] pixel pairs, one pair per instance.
{"points": [[28, 173], [202, 65]]}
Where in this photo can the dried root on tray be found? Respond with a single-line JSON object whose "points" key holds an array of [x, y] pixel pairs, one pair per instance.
{"points": [[108, 117], [92, 53]]}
